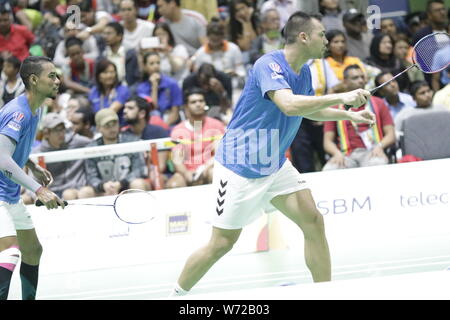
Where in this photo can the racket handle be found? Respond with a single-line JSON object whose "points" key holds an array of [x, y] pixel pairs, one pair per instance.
{"points": [[39, 203]]}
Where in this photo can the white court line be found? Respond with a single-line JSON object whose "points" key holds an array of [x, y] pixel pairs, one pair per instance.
{"points": [[94, 293]]}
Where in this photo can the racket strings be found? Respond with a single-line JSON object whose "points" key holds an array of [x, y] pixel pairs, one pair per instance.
{"points": [[135, 207], [432, 53]]}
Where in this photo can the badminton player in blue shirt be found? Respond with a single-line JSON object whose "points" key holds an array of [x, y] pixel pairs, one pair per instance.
{"points": [[251, 173], [18, 123]]}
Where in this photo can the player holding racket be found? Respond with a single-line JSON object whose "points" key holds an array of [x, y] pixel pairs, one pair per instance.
{"points": [[18, 123], [277, 95]]}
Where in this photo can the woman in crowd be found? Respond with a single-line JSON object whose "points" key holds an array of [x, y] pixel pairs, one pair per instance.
{"points": [[108, 91]]}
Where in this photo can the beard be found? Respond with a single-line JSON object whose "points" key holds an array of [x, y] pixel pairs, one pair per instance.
{"points": [[131, 122]]}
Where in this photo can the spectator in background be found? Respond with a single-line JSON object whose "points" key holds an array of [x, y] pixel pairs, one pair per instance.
{"points": [[163, 90], [358, 40], [69, 177], [137, 116], [388, 26], [270, 38], [173, 56], [285, 8], [186, 29], [134, 29], [403, 52], [352, 145], [82, 120], [126, 61], [94, 20], [79, 74], [224, 55], [108, 91], [12, 86], [109, 175], [194, 159], [437, 18], [423, 96], [243, 24], [337, 55], [440, 79], [382, 57], [90, 47], [217, 90], [15, 39], [331, 15], [442, 97], [393, 97]]}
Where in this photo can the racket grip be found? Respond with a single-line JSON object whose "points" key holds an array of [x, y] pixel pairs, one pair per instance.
{"points": [[39, 203]]}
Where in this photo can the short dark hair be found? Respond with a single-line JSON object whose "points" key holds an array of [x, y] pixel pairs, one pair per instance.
{"points": [[14, 61], [351, 67], [297, 22], [416, 85], [32, 65], [194, 90], [430, 3], [117, 27], [87, 116], [73, 41], [177, 2], [215, 28], [379, 76]]}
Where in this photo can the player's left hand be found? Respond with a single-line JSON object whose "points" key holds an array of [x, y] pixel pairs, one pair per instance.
{"points": [[42, 175], [363, 116]]}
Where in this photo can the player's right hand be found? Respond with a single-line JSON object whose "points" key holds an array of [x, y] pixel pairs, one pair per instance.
{"points": [[49, 199], [355, 98]]}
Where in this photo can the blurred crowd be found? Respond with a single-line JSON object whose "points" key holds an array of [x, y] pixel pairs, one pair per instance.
{"points": [[150, 69]]}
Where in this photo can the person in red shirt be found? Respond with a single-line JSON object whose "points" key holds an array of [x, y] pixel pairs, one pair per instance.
{"points": [[15, 39], [199, 135], [358, 145]]}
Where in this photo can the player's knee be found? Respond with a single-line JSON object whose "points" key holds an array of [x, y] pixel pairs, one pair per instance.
{"points": [[222, 245], [32, 252]]}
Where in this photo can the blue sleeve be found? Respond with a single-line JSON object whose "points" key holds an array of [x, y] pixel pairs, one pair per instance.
{"points": [[122, 94], [177, 96], [12, 124], [269, 76], [143, 89]]}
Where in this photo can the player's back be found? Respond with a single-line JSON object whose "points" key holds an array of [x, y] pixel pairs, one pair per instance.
{"points": [[259, 133]]}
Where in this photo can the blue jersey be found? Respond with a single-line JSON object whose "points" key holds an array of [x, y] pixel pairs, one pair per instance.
{"points": [[18, 123], [259, 133]]}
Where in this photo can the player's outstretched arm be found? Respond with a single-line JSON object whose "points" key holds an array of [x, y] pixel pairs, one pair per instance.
{"points": [[300, 105]]}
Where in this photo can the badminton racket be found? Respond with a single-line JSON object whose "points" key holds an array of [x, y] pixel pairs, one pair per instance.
{"points": [[130, 206], [431, 54]]}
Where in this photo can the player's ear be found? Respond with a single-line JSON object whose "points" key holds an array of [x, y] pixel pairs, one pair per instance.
{"points": [[34, 79], [303, 36]]}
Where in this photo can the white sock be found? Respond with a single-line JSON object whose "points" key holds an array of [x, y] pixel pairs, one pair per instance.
{"points": [[178, 291]]}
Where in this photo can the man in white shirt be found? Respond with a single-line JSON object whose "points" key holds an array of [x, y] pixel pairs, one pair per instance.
{"points": [[186, 29], [135, 29], [284, 7]]}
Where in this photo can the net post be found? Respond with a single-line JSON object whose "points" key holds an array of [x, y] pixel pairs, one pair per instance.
{"points": [[157, 181]]}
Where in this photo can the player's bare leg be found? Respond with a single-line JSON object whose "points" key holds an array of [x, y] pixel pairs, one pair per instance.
{"points": [[301, 209], [203, 259]]}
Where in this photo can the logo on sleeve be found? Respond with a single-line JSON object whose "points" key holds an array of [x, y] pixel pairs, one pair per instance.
{"points": [[15, 123], [275, 67]]}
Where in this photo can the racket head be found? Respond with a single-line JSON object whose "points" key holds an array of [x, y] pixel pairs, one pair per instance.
{"points": [[134, 206], [432, 52]]}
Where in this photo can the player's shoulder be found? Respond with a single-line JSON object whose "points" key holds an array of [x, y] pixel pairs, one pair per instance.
{"points": [[271, 59], [14, 108]]}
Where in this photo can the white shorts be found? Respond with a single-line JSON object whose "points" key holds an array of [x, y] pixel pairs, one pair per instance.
{"points": [[240, 201], [14, 217]]}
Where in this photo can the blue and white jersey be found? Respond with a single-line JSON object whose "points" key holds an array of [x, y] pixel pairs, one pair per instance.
{"points": [[259, 133], [18, 123]]}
